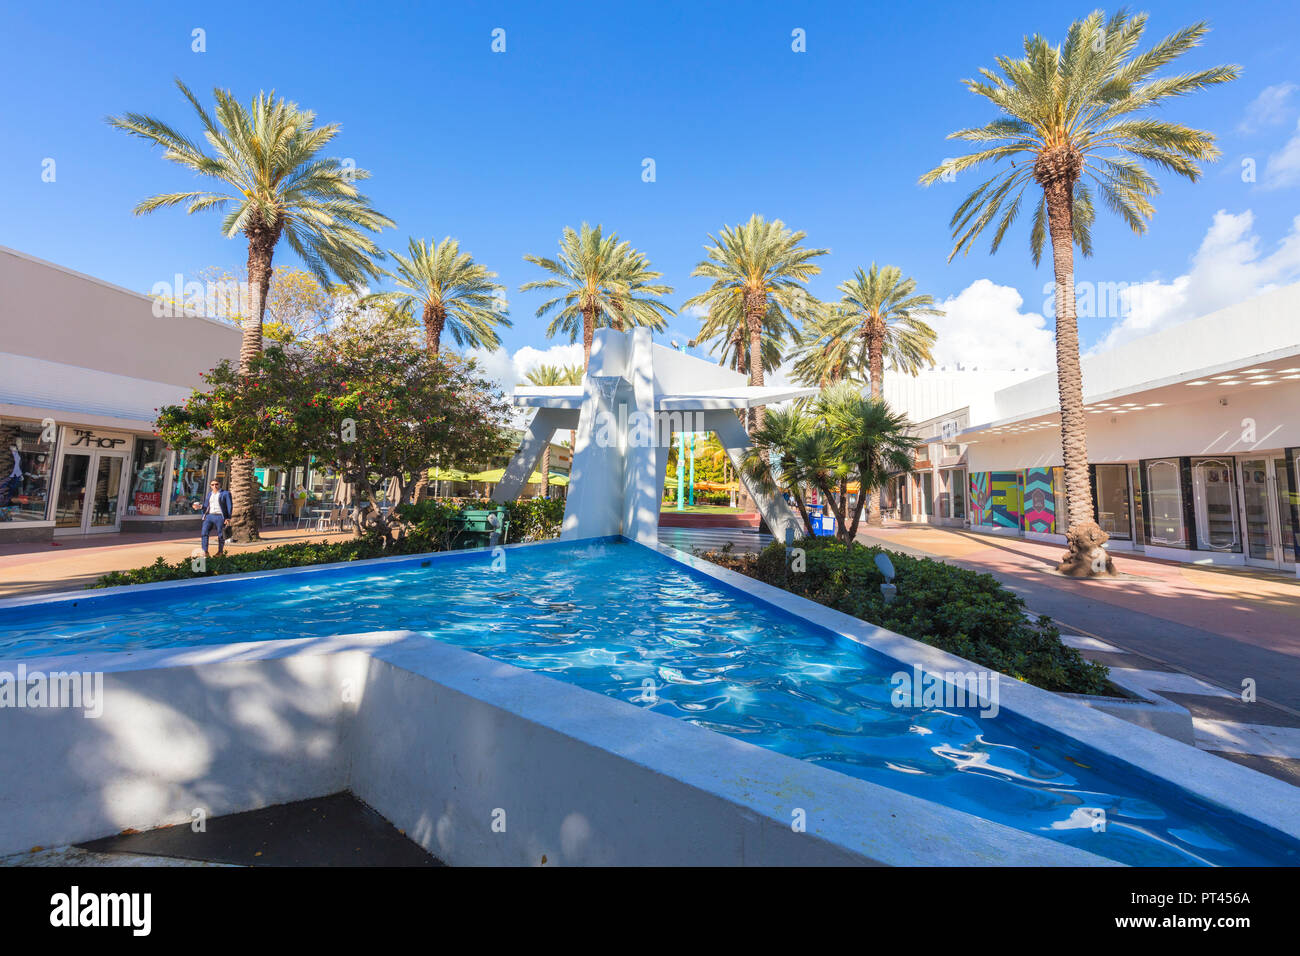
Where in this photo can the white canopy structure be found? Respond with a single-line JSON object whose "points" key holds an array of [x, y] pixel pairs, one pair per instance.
{"points": [[634, 397]]}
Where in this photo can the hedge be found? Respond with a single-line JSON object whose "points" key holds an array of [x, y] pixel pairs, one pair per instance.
{"points": [[964, 612], [426, 527]]}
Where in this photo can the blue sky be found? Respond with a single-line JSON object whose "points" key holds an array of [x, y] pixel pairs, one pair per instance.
{"points": [[504, 149]]}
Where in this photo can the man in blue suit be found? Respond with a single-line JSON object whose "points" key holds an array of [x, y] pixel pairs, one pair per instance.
{"points": [[216, 506]]}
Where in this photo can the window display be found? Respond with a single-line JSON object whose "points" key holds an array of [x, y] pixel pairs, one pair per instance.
{"points": [[1112, 499], [147, 470], [1164, 503], [1215, 495], [25, 474], [189, 478]]}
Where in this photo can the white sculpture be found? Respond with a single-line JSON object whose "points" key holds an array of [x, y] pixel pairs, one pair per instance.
{"points": [[635, 396]]}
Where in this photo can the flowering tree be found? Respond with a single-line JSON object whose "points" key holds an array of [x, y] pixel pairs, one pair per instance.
{"points": [[369, 402]]}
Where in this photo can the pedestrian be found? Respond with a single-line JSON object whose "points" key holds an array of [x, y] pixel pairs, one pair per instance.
{"points": [[216, 508]]}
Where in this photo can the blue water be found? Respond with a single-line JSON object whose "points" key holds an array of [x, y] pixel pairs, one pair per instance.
{"points": [[609, 616]]}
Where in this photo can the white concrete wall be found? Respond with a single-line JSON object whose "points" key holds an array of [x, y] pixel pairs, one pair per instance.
{"points": [[52, 313], [1203, 427], [1247, 332]]}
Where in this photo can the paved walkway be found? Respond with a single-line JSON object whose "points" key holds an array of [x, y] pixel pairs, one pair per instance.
{"points": [[68, 564]]}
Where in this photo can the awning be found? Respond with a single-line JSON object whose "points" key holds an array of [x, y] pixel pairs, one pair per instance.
{"points": [[494, 475], [447, 474]]}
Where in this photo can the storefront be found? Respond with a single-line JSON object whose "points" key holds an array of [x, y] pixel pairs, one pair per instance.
{"points": [[69, 480], [87, 365], [1193, 438]]}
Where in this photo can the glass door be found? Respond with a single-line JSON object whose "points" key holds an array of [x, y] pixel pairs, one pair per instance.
{"points": [[1135, 483], [1285, 490], [70, 500], [1266, 503], [90, 492], [106, 494]]}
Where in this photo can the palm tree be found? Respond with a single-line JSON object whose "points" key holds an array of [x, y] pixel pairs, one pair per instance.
{"points": [[272, 183], [550, 375], [1071, 115], [603, 280], [635, 298], [752, 267], [726, 327], [878, 320], [871, 438], [452, 292]]}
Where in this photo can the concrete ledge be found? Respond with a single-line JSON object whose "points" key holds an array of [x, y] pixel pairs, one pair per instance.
{"points": [[1162, 716], [1138, 749], [438, 738]]}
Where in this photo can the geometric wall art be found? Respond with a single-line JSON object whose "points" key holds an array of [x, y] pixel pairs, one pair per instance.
{"points": [[1040, 501]]}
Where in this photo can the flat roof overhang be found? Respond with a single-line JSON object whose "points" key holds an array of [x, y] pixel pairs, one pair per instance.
{"points": [[1225, 379]]}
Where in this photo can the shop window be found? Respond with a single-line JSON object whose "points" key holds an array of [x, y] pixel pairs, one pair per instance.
{"points": [[1112, 499], [1166, 525], [958, 479], [189, 479], [148, 469], [1214, 494], [28, 466]]}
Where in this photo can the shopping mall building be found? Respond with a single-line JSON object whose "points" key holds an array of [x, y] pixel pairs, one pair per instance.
{"points": [[1193, 443], [84, 368]]}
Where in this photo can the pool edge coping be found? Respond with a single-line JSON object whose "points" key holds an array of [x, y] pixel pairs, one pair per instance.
{"points": [[1235, 788], [1239, 789]]}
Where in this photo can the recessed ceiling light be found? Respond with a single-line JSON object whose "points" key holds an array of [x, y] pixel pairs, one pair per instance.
{"points": [[1231, 382], [1287, 371], [1229, 375], [1155, 405], [1201, 382], [1262, 381], [1291, 376], [1253, 371]]}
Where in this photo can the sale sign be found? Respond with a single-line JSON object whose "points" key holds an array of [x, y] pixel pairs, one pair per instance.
{"points": [[148, 502]]}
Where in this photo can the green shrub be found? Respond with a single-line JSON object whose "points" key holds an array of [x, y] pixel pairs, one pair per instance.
{"points": [[425, 524], [955, 609]]}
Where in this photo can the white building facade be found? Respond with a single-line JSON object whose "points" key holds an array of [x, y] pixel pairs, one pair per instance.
{"points": [[1193, 445], [84, 367]]}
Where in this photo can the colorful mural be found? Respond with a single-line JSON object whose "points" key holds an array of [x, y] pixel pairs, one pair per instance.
{"points": [[1004, 499], [980, 511], [1040, 500]]}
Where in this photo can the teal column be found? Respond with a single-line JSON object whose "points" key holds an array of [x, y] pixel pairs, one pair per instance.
{"points": [[692, 469], [681, 467]]}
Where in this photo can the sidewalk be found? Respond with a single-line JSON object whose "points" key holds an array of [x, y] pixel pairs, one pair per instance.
{"points": [[68, 564], [1193, 634]]}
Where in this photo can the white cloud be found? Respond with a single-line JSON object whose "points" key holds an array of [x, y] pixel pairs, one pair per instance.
{"points": [[1269, 108], [983, 327], [1283, 167], [509, 369], [1227, 268]]}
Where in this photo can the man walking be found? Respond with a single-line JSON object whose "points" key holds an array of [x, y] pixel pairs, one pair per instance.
{"points": [[217, 505]]}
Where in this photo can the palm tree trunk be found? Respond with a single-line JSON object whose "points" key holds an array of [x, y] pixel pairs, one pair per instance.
{"points": [[588, 334], [435, 318], [876, 369], [755, 309], [243, 484], [1086, 556], [546, 470]]}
